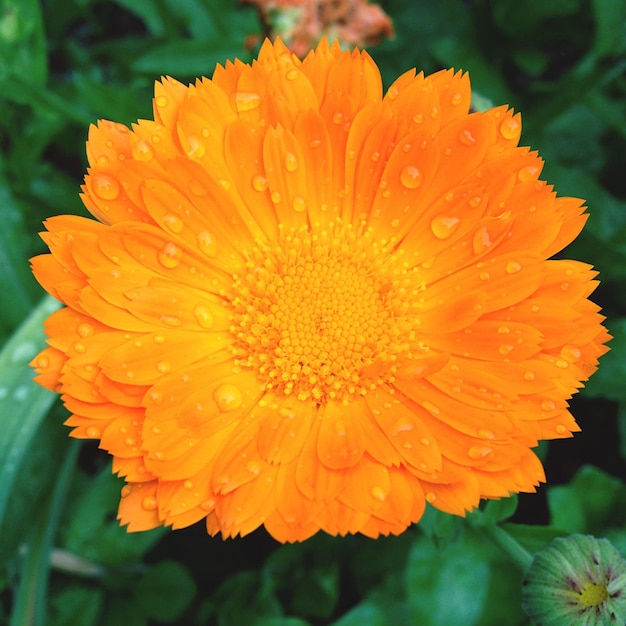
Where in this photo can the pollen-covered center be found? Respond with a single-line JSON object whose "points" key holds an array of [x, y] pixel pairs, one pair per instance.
{"points": [[316, 314]]}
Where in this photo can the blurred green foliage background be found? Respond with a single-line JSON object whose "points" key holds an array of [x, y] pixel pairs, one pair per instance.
{"points": [[63, 558]]}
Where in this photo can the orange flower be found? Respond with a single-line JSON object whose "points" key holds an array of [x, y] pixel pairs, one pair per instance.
{"points": [[311, 307]]}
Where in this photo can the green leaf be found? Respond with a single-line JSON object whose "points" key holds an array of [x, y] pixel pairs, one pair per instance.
{"points": [[446, 586], [365, 614], [22, 41], [91, 529], [78, 605], [165, 591], [495, 511], [608, 381], [610, 31], [23, 403], [184, 59], [16, 281], [592, 501]]}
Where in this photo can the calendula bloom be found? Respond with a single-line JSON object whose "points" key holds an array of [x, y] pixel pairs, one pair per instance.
{"points": [[576, 580], [302, 23], [306, 305]]}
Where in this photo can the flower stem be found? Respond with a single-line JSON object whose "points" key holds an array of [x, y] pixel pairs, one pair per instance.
{"points": [[503, 540]]}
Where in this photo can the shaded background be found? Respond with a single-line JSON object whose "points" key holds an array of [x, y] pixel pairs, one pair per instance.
{"points": [[63, 65]]}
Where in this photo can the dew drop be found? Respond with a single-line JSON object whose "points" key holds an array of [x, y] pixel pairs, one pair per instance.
{"points": [[203, 316], [443, 226], [171, 320], [431, 497], [207, 505], [411, 177], [130, 441], [85, 330], [80, 347], [337, 118], [395, 223], [418, 118], [173, 223], [393, 92], [164, 367], [142, 151], [196, 149], [188, 484], [247, 101], [512, 267], [126, 491], [548, 405], [481, 240], [528, 173], [431, 408], [259, 183], [479, 452], [275, 196], [486, 434], [292, 74], [299, 204], [105, 186], [467, 138], [158, 339], [224, 184], [170, 255], [456, 99], [571, 353], [93, 432], [42, 362], [149, 503], [375, 155], [560, 429], [206, 243], [291, 162], [378, 493], [475, 201], [529, 375], [228, 397], [510, 128], [254, 467], [161, 101], [425, 441], [562, 364], [315, 143], [505, 349]]}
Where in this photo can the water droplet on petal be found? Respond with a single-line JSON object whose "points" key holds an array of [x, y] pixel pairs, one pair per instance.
{"points": [[85, 330], [484, 276], [411, 177], [246, 101], [164, 367], [170, 255], [196, 149], [431, 497], [93, 432], [142, 151], [228, 397], [254, 467], [510, 128], [42, 362], [571, 353], [126, 491], [206, 243], [291, 162], [378, 493], [457, 98], [512, 267], [481, 240], [171, 320], [207, 505], [173, 223], [467, 138], [528, 173], [161, 101], [486, 434], [203, 316], [292, 74], [375, 155], [105, 186], [340, 428], [475, 201], [560, 429], [431, 408], [443, 226], [80, 347], [479, 452], [149, 503], [299, 204], [259, 183], [425, 441], [505, 349], [275, 196], [337, 118], [548, 405]]}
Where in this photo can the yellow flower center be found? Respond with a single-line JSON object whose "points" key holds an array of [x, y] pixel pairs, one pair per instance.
{"points": [[594, 594], [321, 312]]}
